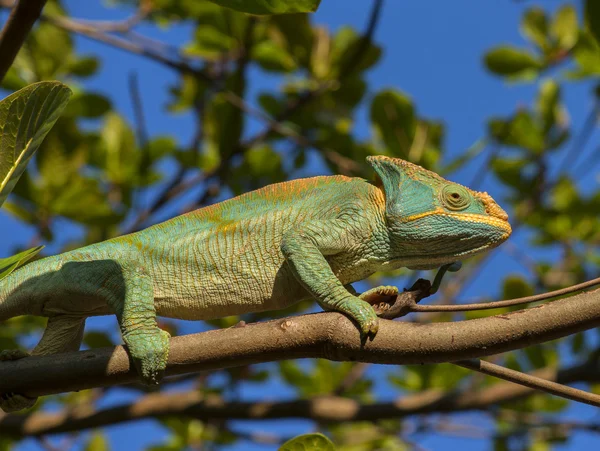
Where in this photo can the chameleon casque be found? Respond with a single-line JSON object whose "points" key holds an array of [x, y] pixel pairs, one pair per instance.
{"points": [[263, 250]]}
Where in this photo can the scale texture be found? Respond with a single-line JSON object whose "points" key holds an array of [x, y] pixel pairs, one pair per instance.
{"points": [[264, 250]]}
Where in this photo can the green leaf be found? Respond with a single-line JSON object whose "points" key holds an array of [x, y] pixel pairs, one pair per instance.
{"points": [[345, 46], [88, 105], [548, 103], [393, 117], [262, 7], [9, 264], [25, 118], [516, 287], [535, 26], [97, 442], [565, 27], [522, 130], [210, 43], [511, 61], [587, 55], [120, 153], [592, 18], [509, 170], [84, 67], [273, 57], [564, 195], [308, 442]]}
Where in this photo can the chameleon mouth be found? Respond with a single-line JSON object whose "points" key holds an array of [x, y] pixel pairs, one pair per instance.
{"points": [[494, 221], [498, 220]]}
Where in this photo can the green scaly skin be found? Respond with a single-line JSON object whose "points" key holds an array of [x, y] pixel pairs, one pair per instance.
{"points": [[260, 251]]}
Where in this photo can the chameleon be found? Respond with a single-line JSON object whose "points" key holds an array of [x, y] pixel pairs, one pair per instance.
{"points": [[263, 250]]}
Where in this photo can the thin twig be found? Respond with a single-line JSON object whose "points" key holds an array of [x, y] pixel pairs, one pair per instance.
{"points": [[138, 110], [581, 140], [554, 388], [507, 303], [126, 25], [123, 44], [22, 17]]}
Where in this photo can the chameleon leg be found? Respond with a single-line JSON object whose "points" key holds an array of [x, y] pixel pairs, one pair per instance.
{"points": [[63, 334], [148, 345], [305, 250]]}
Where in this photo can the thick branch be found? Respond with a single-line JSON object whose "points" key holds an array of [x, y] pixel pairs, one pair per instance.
{"points": [[327, 335], [21, 19], [322, 409]]}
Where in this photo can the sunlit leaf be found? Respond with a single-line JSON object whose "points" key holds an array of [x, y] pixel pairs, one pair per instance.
{"points": [[534, 25], [25, 118], [516, 287], [97, 442], [565, 27], [308, 442], [548, 103], [510, 61], [273, 57], [84, 67], [9, 264]]}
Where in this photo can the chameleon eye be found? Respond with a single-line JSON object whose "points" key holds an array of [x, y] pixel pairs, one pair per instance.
{"points": [[455, 197]]}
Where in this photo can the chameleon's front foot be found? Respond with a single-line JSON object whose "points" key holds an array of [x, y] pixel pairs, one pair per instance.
{"points": [[12, 402], [361, 312], [150, 351], [367, 319]]}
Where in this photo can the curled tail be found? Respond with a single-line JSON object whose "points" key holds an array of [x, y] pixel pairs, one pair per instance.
{"points": [[18, 290]]}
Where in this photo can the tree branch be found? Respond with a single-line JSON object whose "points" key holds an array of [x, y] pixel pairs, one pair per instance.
{"points": [[324, 335], [21, 19], [332, 409]]}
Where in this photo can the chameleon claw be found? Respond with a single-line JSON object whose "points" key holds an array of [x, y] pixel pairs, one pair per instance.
{"points": [[367, 320], [374, 295]]}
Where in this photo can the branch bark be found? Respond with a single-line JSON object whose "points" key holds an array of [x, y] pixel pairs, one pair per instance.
{"points": [[323, 335], [21, 19]]}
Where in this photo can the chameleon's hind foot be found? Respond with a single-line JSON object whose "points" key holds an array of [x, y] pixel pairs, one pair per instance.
{"points": [[12, 354], [12, 402], [150, 351]]}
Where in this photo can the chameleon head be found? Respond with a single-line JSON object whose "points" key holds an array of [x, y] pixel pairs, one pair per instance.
{"points": [[432, 221]]}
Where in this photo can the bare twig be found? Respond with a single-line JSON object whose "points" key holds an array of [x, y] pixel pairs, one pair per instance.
{"points": [[22, 17], [581, 140], [554, 388], [94, 33], [507, 303], [123, 26], [138, 110]]}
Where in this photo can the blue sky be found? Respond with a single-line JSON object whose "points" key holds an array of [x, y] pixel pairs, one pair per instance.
{"points": [[433, 52]]}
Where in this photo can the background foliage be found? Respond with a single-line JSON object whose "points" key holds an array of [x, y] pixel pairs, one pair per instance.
{"points": [[102, 172]]}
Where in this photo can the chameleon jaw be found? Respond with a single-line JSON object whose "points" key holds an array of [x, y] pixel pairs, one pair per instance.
{"points": [[494, 221]]}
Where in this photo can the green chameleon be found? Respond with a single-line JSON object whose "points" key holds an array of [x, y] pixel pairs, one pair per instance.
{"points": [[263, 250]]}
